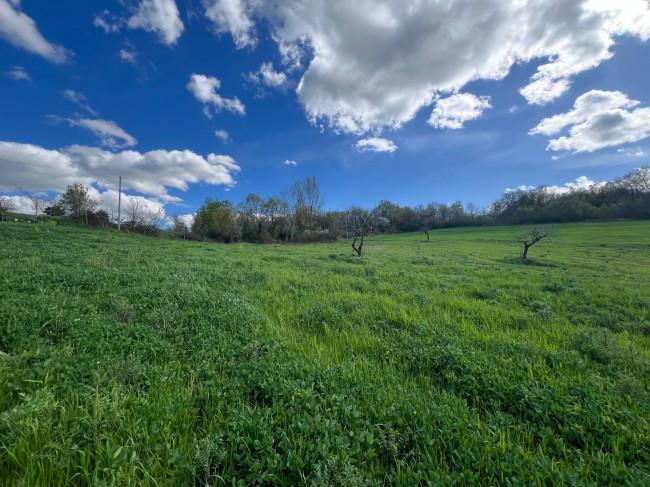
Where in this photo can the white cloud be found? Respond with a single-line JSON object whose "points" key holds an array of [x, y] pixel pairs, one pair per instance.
{"points": [[150, 173], [289, 162], [20, 30], [188, 219], [110, 134], [22, 204], [222, 134], [523, 187], [376, 63], [159, 16], [269, 77], [107, 21], [376, 144], [581, 183], [204, 88], [292, 54], [232, 16], [128, 56], [633, 152], [18, 73], [457, 109], [78, 99], [599, 119]]}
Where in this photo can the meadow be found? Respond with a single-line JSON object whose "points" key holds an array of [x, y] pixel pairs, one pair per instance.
{"points": [[127, 360]]}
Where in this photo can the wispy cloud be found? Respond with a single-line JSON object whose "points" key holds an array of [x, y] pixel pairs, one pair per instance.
{"points": [[18, 73], [20, 30], [78, 99]]}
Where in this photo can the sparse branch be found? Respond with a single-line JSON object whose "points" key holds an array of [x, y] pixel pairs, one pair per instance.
{"points": [[38, 203], [535, 234], [360, 223], [6, 205]]}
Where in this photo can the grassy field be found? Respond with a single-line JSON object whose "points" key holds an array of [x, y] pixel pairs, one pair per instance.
{"points": [[127, 360]]}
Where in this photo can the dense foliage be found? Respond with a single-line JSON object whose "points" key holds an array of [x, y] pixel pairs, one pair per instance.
{"points": [[134, 361]]}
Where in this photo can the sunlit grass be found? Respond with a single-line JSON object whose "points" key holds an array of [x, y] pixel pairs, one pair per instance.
{"points": [[128, 360]]}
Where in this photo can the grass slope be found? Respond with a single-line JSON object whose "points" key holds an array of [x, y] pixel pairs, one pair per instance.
{"points": [[127, 360]]}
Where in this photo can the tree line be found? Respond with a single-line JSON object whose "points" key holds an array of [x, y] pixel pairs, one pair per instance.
{"points": [[296, 214]]}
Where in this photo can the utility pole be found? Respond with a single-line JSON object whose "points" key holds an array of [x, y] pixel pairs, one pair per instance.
{"points": [[119, 206]]}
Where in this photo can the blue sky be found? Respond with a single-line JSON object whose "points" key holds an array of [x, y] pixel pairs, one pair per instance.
{"points": [[407, 101]]}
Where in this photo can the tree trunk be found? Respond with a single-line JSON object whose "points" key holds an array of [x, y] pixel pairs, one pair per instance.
{"points": [[427, 232], [526, 247], [359, 249]]}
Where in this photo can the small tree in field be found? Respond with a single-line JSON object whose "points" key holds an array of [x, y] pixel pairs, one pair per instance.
{"points": [[6, 206], [360, 223], [535, 234]]}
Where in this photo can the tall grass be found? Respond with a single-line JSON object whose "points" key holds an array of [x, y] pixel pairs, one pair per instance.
{"points": [[127, 360]]}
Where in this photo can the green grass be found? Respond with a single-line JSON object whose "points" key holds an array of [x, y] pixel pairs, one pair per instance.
{"points": [[127, 360]]}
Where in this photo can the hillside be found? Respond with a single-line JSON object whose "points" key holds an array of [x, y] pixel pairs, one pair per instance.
{"points": [[127, 360]]}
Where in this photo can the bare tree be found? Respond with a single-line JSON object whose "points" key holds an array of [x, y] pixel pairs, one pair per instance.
{"points": [[134, 211], [359, 223], [151, 218], [472, 210], [38, 203], [6, 205], [295, 201], [535, 234], [636, 182], [142, 216], [313, 199]]}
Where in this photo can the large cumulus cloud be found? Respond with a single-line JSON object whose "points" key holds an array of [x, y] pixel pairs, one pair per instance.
{"points": [[150, 173], [375, 63], [598, 119]]}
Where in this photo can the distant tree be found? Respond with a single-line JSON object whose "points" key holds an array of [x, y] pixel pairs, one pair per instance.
{"points": [[38, 203], [179, 227], [251, 211], [294, 199], [636, 182], [143, 218], [78, 202], [391, 212], [272, 208], [6, 206], [151, 219], [313, 201], [535, 234], [215, 219], [55, 208], [457, 211], [471, 210], [360, 223], [99, 218], [133, 212]]}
